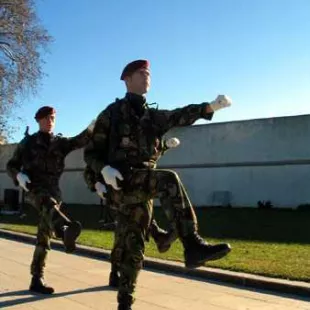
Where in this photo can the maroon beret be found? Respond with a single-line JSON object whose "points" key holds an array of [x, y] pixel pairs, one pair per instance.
{"points": [[134, 66], [44, 111]]}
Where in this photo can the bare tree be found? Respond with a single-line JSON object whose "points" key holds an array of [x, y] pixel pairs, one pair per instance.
{"points": [[23, 40]]}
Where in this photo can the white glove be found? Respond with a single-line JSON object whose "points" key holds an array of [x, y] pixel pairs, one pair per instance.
{"points": [[110, 174], [91, 126], [220, 102], [100, 189], [23, 180], [172, 142]]}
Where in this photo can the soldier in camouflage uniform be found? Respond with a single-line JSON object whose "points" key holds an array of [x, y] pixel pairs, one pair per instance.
{"points": [[36, 166], [162, 238], [124, 149]]}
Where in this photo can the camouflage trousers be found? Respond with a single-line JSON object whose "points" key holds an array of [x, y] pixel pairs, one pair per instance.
{"points": [[45, 201], [129, 245], [122, 218], [117, 250], [135, 214]]}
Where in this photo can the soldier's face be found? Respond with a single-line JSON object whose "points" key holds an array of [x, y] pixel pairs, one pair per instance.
{"points": [[139, 82], [47, 123]]}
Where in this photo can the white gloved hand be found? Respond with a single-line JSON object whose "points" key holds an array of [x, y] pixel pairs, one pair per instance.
{"points": [[23, 180], [110, 174], [100, 189], [91, 126], [220, 102], [172, 142]]}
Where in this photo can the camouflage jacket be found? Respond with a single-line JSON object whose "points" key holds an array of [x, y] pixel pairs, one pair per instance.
{"points": [[128, 133], [42, 157], [92, 177]]}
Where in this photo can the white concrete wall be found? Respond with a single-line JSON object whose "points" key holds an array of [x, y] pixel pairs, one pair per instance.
{"points": [[264, 159]]}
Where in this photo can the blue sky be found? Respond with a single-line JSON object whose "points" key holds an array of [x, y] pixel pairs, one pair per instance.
{"points": [[257, 52]]}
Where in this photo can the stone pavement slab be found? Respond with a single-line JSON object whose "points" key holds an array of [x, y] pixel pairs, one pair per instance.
{"points": [[81, 283]]}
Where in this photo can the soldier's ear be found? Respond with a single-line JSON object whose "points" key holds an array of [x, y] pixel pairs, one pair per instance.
{"points": [[127, 79]]}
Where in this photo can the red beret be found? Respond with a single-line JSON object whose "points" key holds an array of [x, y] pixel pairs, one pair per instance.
{"points": [[134, 66], [44, 111]]}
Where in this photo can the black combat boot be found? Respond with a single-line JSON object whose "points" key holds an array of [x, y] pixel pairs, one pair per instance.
{"points": [[197, 251], [37, 285], [71, 233], [162, 238], [114, 279]]}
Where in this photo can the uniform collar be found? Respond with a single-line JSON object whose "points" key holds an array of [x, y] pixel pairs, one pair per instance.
{"points": [[137, 102]]}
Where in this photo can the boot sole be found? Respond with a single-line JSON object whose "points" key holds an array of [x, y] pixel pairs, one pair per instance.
{"points": [[40, 292], [72, 234], [215, 256], [163, 249]]}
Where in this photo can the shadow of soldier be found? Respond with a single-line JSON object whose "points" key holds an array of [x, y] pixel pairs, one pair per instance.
{"points": [[32, 297]]}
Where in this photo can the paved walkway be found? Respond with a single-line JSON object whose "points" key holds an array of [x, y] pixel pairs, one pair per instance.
{"points": [[81, 284]]}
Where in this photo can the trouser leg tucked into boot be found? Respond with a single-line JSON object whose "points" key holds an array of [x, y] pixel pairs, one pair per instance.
{"points": [[37, 270], [38, 285], [124, 302]]}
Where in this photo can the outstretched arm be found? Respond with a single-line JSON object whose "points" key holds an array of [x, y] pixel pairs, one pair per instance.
{"points": [[189, 114], [80, 140]]}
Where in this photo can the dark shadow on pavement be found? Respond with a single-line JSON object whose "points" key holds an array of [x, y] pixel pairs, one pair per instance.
{"points": [[32, 297]]}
